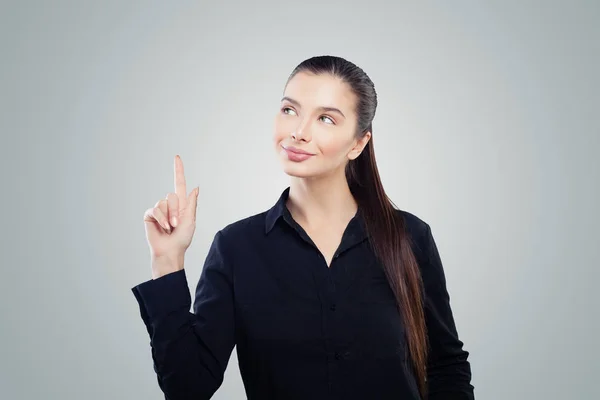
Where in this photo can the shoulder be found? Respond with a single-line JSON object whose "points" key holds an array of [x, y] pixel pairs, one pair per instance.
{"points": [[236, 239], [251, 226], [418, 232], [414, 226]]}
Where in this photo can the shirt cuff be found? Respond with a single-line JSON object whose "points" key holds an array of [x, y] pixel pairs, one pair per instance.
{"points": [[159, 297]]}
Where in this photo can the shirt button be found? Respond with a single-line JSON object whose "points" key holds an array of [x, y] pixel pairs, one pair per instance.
{"points": [[337, 355], [332, 307]]}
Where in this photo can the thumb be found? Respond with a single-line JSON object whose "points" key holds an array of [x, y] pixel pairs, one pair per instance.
{"points": [[193, 201]]}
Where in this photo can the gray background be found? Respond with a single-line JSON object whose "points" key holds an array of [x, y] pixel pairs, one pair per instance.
{"points": [[487, 128]]}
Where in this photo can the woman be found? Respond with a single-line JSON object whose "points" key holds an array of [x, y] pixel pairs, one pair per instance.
{"points": [[333, 293]]}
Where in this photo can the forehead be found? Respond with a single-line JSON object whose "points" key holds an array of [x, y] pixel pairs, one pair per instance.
{"points": [[321, 90]]}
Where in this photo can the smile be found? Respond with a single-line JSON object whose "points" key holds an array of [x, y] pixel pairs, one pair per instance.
{"points": [[296, 155]]}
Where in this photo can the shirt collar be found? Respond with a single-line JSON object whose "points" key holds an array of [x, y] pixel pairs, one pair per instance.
{"points": [[277, 211], [357, 231]]}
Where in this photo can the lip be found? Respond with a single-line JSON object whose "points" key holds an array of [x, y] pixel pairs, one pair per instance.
{"points": [[297, 150], [295, 154]]}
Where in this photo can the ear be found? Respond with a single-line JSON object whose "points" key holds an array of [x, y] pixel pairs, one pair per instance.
{"points": [[359, 146]]}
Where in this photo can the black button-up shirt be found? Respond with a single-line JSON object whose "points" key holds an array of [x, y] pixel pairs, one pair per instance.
{"points": [[302, 330]]}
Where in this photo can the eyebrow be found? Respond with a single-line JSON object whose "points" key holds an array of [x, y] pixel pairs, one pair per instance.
{"points": [[323, 108]]}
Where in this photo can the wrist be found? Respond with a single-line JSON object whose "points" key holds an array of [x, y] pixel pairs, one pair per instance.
{"points": [[164, 265]]}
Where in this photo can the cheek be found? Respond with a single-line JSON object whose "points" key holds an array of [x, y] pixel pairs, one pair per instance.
{"points": [[334, 147], [281, 129]]}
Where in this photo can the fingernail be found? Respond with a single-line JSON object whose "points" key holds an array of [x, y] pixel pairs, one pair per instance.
{"points": [[174, 221]]}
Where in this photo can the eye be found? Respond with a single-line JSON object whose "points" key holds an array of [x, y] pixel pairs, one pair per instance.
{"points": [[331, 120], [287, 108]]}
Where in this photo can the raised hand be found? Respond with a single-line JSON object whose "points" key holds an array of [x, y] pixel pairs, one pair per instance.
{"points": [[170, 226]]}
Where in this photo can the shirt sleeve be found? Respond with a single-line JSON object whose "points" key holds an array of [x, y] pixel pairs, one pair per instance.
{"points": [[190, 351], [448, 370]]}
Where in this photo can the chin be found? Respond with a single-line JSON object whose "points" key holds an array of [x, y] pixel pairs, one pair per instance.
{"points": [[297, 171]]}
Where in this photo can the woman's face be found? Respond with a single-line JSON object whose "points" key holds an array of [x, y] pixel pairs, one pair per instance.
{"points": [[317, 117]]}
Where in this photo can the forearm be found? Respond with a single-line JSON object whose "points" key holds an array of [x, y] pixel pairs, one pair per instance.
{"points": [[449, 378], [185, 366]]}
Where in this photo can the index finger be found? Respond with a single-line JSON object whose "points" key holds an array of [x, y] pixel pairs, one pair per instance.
{"points": [[180, 188]]}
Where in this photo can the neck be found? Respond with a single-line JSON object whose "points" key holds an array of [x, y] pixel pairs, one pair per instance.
{"points": [[321, 201]]}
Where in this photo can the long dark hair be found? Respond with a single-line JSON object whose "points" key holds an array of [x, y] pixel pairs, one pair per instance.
{"points": [[385, 226]]}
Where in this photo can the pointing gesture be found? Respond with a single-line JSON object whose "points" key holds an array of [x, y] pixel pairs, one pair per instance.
{"points": [[170, 225], [180, 189]]}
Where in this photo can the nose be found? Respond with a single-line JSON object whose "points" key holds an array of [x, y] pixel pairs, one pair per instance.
{"points": [[302, 132]]}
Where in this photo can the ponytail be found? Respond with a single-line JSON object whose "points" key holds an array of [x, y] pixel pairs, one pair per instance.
{"points": [[392, 246]]}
